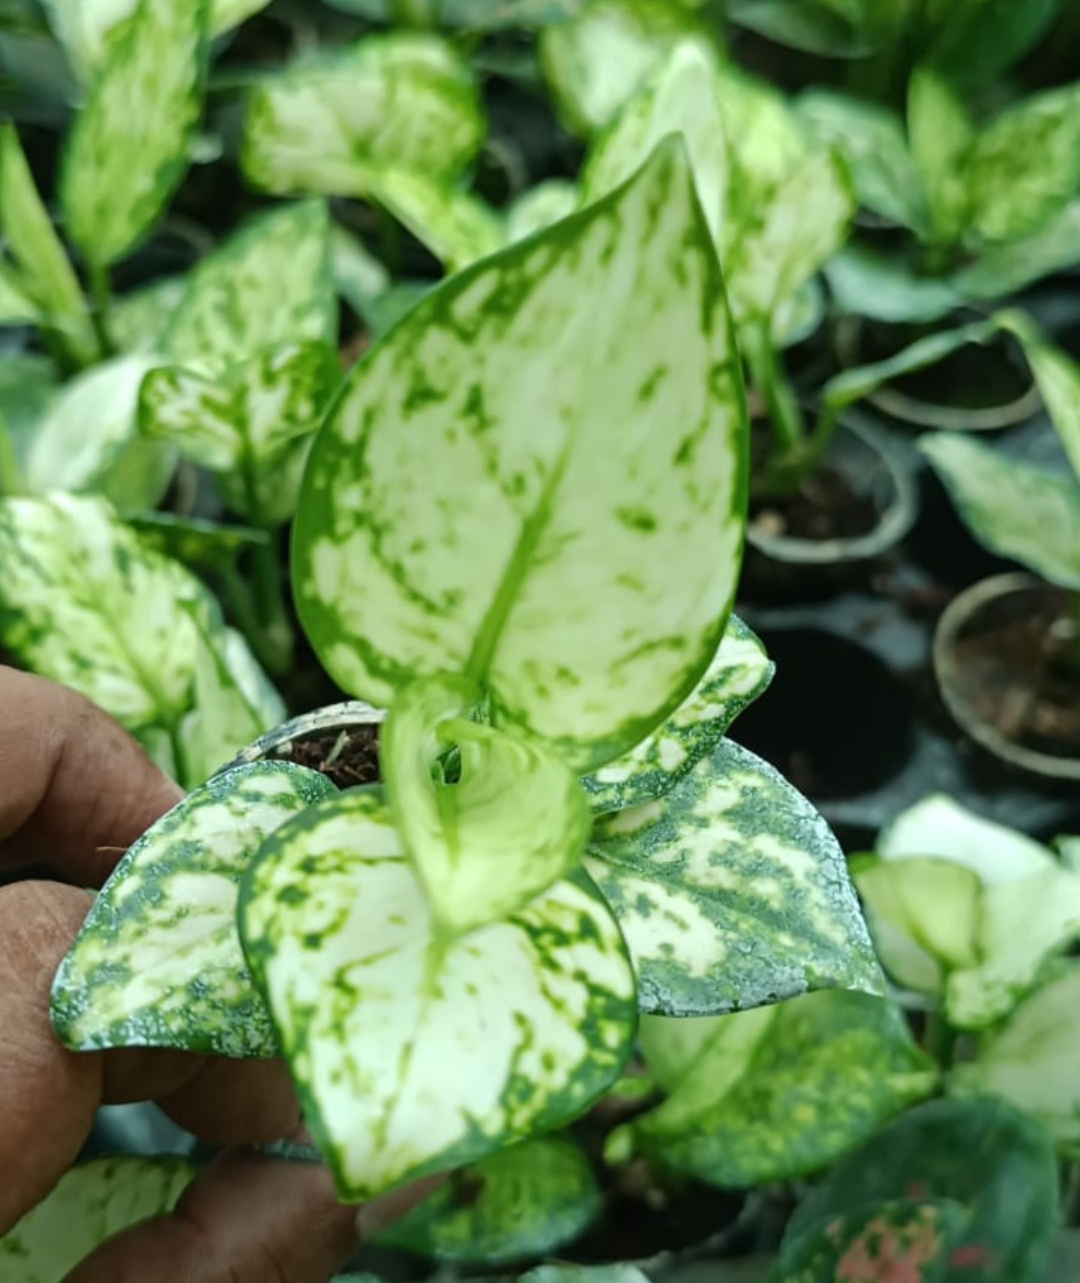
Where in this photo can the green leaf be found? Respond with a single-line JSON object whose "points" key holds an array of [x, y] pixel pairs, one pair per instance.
{"points": [[731, 892], [194, 540], [90, 1203], [400, 101], [84, 602], [412, 1053], [1016, 509], [1058, 379], [130, 144], [941, 135], [439, 530], [270, 285], [906, 1239], [139, 321], [1007, 268], [17, 307], [254, 423], [798, 24], [359, 276], [979, 1153], [509, 824], [158, 961], [548, 202], [977, 40], [739, 673], [526, 1201], [881, 287], [780, 1092], [584, 1274]]}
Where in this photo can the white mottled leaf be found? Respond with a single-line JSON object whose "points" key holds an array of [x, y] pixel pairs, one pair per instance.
{"points": [[271, 284], [510, 822], [1058, 379], [450, 518], [139, 321], [158, 961], [941, 135], [413, 1053], [403, 100], [1016, 509], [129, 146], [731, 892], [359, 276], [90, 1204], [455, 225], [548, 202], [84, 602], [739, 673]]}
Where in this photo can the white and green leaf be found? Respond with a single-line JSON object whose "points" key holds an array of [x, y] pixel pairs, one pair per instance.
{"points": [[158, 961], [548, 202], [440, 530], [1057, 377], [195, 541], [413, 1053], [941, 136], [456, 225], [731, 892], [139, 321], [1007, 268]]}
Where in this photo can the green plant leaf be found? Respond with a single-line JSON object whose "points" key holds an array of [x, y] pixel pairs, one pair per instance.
{"points": [[139, 321], [1007, 268], [496, 572], [398, 101], [941, 135], [17, 307], [780, 1092], [526, 1201], [270, 285], [412, 1053], [731, 892], [144, 104], [1016, 509], [158, 961], [739, 673], [979, 1153], [548, 202], [194, 540], [253, 424], [1058, 379], [585, 1274], [976, 41], [881, 287], [510, 824], [75, 581], [813, 28], [90, 1204]]}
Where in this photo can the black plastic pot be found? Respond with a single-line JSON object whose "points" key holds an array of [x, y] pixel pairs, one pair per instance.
{"points": [[318, 738]]}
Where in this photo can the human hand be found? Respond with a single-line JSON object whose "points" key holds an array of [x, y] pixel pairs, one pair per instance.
{"points": [[75, 790]]}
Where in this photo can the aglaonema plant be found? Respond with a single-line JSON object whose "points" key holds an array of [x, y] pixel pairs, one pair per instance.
{"points": [[519, 529]]}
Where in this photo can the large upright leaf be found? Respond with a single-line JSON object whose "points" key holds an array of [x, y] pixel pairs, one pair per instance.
{"points": [[412, 1053], [731, 892], [130, 144], [941, 135], [1058, 379], [451, 517]]}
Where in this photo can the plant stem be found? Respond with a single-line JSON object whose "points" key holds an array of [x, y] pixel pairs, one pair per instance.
{"points": [[11, 481], [101, 296], [274, 640], [772, 383], [940, 1039]]}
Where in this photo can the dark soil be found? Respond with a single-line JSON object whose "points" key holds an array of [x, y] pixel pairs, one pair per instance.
{"points": [[825, 506], [347, 757]]}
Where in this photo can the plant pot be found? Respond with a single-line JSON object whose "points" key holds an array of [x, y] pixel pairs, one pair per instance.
{"points": [[340, 740], [1007, 663]]}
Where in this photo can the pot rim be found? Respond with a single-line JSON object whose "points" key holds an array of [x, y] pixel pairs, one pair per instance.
{"points": [[329, 717], [962, 608]]}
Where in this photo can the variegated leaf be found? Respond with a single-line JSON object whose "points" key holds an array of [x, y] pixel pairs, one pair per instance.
{"points": [[139, 321], [739, 673], [1007, 268], [84, 602], [455, 225], [941, 134], [403, 100], [548, 202], [158, 961], [509, 823], [439, 529], [1016, 509], [1058, 378], [412, 1053], [777, 1093], [253, 423], [270, 285], [130, 144], [731, 892], [194, 540], [90, 1204]]}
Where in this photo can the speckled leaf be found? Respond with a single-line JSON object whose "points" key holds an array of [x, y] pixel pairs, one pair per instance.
{"points": [[76, 582], [439, 530], [521, 1203], [412, 1053], [253, 423], [139, 321], [1058, 378], [979, 1153], [778, 1093], [1016, 509], [941, 135], [158, 961], [731, 892], [548, 202], [455, 225], [739, 673], [269, 285], [90, 1204], [510, 823], [130, 144], [908, 1240], [403, 100], [680, 96]]}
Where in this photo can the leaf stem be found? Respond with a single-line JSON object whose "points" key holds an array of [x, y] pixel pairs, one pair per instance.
{"points": [[11, 480], [772, 383], [101, 296]]}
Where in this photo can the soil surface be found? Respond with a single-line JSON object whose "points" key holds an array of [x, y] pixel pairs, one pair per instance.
{"points": [[347, 757], [825, 506]]}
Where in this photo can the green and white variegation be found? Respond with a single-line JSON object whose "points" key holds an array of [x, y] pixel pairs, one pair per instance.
{"points": [[739, 673], [158, 961], [548, 202], [138, 321], [1058, 379], [412, 1053], [130, 144], [510, 823], [731, 891], [270, 285], [89, 1204], [451, 517], [399, 101]]}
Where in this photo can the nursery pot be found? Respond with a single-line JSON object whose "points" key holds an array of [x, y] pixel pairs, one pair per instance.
{"points": [[340, 740], [1007, 662]]}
